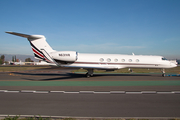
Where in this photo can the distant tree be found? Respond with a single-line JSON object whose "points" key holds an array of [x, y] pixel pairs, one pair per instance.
{"points": [[2, 59], [12, 58], [1, 62], [15, 58], [28, 60]]}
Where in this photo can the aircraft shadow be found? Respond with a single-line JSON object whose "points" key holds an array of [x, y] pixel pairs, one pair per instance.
{"points": [[74, 75], [70, 76]]}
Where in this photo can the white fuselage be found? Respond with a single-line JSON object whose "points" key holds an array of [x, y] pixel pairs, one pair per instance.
{"points": [[118, 61]]}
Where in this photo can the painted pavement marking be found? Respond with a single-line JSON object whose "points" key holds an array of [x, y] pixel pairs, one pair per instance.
{"points": [[71, 92], [57, 91], [102, 92], [164, 92], [11, 91], [86, 92], [91, 92], [3, 90], [27, 91], [134, 92], [41, 92], [176, 92], [117, 92], [149, 92]]}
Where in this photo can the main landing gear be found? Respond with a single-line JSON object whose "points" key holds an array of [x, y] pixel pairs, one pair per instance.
{"points": [[89, 73], [163, 72]]}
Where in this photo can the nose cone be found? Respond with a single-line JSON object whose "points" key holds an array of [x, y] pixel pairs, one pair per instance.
{"points": [[172, 64]]}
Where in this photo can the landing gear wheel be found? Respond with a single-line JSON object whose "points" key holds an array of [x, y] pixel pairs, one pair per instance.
{"points": [[163, 72], [88, 75], [163, 75]]}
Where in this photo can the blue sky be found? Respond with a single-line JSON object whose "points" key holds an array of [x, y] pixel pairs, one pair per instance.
{"points": [[145, 27]]}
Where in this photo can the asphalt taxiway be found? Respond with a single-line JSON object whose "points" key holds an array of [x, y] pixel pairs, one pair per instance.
{"points": [[91, 105], [62, 93]]}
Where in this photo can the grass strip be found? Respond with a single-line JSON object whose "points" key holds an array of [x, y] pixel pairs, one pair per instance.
{"points": [[20, 68]]}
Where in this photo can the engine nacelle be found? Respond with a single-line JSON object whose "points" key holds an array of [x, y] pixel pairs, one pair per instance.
{"points": [[69, 56]]}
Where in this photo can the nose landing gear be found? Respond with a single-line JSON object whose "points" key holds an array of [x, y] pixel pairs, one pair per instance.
{"points": [[163, 72]]}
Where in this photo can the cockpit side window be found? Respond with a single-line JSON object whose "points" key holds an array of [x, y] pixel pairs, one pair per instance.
{"points": [[164, 58]]}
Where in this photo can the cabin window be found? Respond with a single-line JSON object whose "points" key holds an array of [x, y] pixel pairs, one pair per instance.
{"points": [[130, 60], [137, 60], [115, 60], [164, 58], [123, 60], [101, 59], [109, 60]]}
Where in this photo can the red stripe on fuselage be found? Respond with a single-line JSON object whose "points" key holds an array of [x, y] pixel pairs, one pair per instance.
{"points": [[113, 63]]}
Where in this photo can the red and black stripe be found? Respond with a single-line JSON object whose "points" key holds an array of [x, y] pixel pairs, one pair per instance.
{"points": [[39, 54]]}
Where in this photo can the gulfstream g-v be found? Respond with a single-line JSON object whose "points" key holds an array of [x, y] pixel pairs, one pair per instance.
{"points": [[43, 51]]}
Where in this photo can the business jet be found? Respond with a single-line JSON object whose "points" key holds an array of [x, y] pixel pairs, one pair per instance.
{"points": [[43, 51]]}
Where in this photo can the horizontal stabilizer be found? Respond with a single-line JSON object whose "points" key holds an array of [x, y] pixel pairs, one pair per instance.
{"points": [[26, 36], [19, 34]]}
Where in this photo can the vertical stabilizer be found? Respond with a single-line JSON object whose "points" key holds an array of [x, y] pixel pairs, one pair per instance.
{"points": [[37, 43]]}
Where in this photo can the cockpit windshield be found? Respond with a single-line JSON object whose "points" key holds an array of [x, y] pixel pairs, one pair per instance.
{"points": [[164, 58]]}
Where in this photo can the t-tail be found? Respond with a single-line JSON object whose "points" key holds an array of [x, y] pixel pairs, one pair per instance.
{"points": [[39, 46]]}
